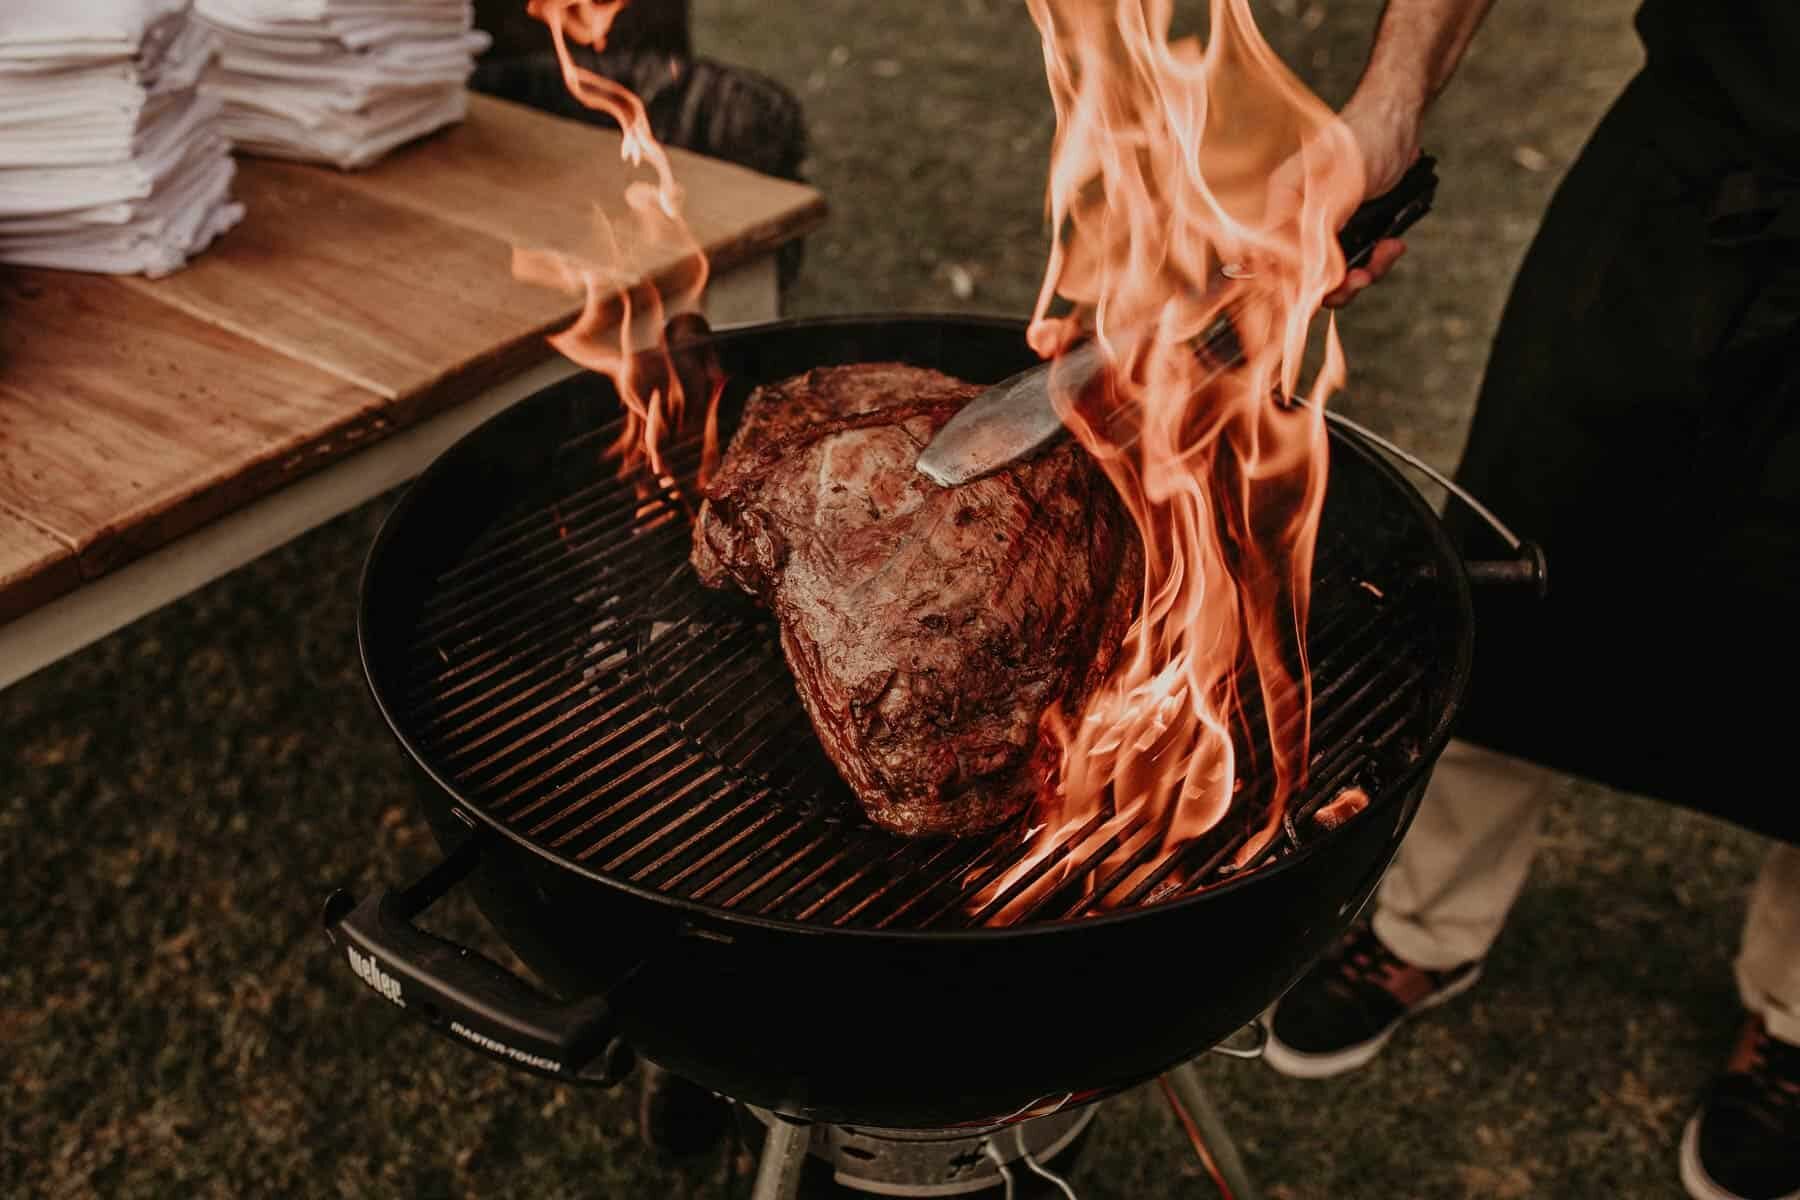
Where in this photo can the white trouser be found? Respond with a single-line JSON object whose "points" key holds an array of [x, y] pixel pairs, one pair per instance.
{"points": [[1470, 848]]}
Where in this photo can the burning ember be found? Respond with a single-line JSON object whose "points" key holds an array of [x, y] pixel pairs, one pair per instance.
{"points": [[1191, 182], [1195, 192]]}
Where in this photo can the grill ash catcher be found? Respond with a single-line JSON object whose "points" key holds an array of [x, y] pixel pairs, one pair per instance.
{"points": [[621, 774]]}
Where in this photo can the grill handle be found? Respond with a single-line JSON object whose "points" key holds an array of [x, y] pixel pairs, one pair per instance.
{"points": [[1528, 568], [466, 995]]}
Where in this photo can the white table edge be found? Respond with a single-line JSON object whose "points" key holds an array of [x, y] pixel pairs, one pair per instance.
{"points": [[746, 293]]}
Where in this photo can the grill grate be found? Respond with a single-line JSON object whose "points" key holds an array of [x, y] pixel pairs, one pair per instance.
{"points": [[569, 675]]}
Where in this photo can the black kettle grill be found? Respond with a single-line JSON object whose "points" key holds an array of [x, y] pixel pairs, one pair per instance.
{"points": [[617, 766]]}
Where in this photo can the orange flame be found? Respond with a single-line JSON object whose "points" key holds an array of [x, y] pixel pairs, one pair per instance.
{"points": [[1190, 182], [620, 332]]}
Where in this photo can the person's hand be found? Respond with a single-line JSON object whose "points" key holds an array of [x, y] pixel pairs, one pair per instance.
{"points": [[1386, 133]]}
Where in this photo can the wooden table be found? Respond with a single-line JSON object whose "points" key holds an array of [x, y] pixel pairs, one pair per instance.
{"points": [[155, 434]]}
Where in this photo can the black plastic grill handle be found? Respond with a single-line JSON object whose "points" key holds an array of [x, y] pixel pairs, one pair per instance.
{"points": [[1390, 214], [466, 995]]}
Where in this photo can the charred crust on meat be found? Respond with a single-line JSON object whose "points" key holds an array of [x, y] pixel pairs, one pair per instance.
{"points": [[925, 657]]}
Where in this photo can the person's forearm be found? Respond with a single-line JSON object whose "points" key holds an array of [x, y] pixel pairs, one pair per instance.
{"points": [[1418, 45]]}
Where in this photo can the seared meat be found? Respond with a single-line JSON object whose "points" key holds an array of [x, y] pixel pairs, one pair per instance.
{"points": [[928, 628]]}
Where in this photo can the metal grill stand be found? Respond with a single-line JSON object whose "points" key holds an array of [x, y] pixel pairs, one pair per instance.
{"points": [[1192, 1094], [915, 1162], [960, 1162], [783, 1159]]}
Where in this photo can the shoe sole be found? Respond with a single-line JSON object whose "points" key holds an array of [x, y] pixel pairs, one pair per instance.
{"points": [[1694, 1178], [1298, 1064]]}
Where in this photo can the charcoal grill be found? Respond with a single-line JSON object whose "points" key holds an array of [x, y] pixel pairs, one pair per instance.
{"points": [[617, 765]]}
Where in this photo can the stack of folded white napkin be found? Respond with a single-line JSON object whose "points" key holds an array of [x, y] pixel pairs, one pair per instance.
{"points": [[110, 157], [339, 81]]}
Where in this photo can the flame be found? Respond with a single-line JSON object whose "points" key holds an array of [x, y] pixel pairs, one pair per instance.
{"points": [[1190, 181], [620, 332]]}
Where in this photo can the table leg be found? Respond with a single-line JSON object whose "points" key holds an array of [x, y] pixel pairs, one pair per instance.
{"points": [[748, 293]]}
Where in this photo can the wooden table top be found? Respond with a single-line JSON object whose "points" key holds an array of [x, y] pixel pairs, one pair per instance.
{"points": [[343, 307]]}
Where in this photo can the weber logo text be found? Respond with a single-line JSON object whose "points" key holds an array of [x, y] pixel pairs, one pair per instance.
{"points": [[370, 972]]}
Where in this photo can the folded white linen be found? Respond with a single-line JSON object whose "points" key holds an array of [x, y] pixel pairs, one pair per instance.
{"points": [[44, 34], [339, 81], [87, 22], [401, 65], [100, 113], [355, 26], [111, 157], [157, 237], [347, 140], [174, 172], [51, 189]]}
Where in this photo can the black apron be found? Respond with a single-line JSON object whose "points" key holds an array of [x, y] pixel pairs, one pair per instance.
{"points": [[1640, 420]]}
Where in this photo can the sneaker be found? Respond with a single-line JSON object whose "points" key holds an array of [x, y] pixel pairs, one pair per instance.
{"points": [[1744, 1143], [1343, 1011], [677, 1118]]}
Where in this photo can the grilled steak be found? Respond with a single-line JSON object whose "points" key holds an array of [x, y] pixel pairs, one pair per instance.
{"points": [[929, 629]]}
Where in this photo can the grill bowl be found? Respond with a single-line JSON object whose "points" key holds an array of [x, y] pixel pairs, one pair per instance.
{"points": [[663, 829]]}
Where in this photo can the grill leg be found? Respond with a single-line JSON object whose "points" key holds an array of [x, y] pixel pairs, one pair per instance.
{"points": [[1185, 1079], [783, 1157]]}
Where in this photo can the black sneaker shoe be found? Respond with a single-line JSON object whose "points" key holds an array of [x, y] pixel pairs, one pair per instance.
{"points": [[1342, 1012], [677, 1118], [1744, 1143]]}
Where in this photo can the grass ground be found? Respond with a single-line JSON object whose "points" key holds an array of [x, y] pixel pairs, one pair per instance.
{"points": [[176, 801]]}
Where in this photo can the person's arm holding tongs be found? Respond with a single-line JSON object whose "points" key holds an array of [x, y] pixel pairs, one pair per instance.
{"points": [[1418, 44]]}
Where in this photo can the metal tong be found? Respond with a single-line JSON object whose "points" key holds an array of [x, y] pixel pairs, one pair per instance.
{"points": [[1017, 417]]}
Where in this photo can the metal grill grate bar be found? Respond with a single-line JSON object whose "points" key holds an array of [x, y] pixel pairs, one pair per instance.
{"points": [[538, 534], [648, 843], [660, 793], [1332, 667], [516, 622], [623, 694], [570, 675], [1007, 858], [576, 696], [932, 867], [932, 885], [629, 761], [480, 608], [674, 883], [510, 681], [1200, 876], [758, 860], [553, 532], [499, 536]]}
